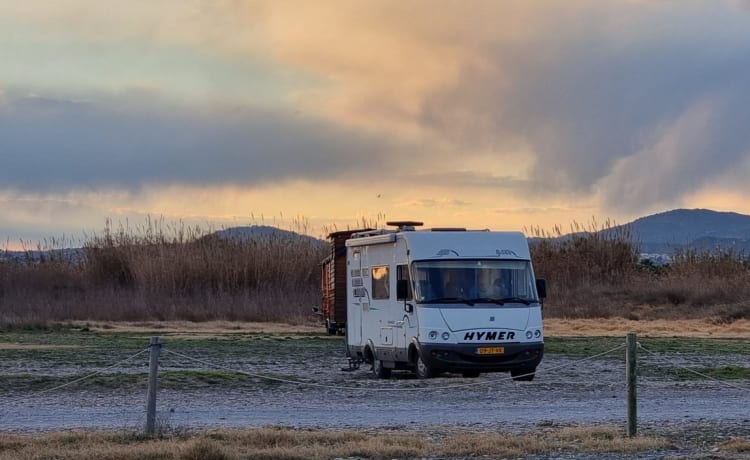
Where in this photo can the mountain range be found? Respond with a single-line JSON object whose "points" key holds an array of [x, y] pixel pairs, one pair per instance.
{"points": [[662, 233], [691, 228]]}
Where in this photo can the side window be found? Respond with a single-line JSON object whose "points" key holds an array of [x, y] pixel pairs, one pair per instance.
{"points": [[380, 288], [402, 276]]}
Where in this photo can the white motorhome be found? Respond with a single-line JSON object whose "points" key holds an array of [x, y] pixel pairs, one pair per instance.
{"points": [[443, 300]]}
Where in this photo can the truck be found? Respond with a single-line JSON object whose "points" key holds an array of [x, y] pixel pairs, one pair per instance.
{"points": [[433, 301]]}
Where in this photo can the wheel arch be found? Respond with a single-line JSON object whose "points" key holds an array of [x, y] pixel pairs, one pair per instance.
{"points": [[413, 351], [369, 352]]}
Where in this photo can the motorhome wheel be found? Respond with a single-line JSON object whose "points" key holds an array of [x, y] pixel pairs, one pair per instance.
{"points": [[422, 370], [380, 371]]}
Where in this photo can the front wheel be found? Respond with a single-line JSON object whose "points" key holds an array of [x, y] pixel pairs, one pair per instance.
{"points": [[379, 370], [422, 370], [523, 374]]}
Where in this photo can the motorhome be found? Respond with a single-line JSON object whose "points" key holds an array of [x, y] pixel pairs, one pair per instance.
{"points": [[438, 300]]}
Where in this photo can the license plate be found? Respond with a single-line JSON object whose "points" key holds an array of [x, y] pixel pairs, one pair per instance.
{"points": [[490, 350]]}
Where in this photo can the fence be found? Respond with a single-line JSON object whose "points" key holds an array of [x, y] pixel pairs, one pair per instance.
{"points": [[157, 351]]}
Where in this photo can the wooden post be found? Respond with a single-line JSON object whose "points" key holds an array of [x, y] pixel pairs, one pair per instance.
{"points": [[153, 372], [631, 379]]}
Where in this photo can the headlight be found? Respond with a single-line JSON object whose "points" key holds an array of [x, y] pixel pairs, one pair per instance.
{"points": [[432, 335], [528, 335], [537, 333], [446, 335]]}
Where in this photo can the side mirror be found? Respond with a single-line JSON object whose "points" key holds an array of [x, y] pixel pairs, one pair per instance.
{"points": [[408, 308], [402, 290], [541, 288]]}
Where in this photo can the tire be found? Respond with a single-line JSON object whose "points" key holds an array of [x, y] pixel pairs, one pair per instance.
{"points": [[523, 375], [379, 370], [470, 374], [422, 370]]}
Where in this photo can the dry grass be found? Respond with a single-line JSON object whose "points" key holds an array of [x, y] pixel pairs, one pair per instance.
{"points": [[285, 443], [553, 327], [192, 328], [595, 273], [165, 272], [578, 439], [736, 445], [161, 272], [696, 328]]}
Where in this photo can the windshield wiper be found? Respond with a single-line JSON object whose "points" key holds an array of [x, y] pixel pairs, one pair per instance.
{"points": [[515, 299], [488, 300], [451, 300]]}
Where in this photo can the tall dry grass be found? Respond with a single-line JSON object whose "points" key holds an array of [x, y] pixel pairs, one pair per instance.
{"points": [[160, 271], [166, 272], [595, 271]]}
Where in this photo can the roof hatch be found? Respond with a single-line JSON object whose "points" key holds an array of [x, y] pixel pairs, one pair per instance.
{"points": [[405, 225]]}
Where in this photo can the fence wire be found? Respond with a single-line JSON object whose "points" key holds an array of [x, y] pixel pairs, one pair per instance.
{"points": [[381, 389], [335, 387], [80, 379], [693, 371]]}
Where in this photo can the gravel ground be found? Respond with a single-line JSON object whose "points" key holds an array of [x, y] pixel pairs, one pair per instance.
{"points": [[566, 391]]}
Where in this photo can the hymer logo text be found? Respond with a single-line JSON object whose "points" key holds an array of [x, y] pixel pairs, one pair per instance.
{"points": [[490, 335]]}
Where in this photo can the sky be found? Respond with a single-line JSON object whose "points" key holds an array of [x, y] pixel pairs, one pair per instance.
{"points": [[322, 115]]}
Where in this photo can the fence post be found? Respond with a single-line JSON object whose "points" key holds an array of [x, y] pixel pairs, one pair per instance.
{"points": [[631, 379], [155, 349]]}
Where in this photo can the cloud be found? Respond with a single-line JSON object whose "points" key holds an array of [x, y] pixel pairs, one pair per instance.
{"points": [[581, 86], [432, 203], [706, 142], [137, 140], [602, 98]]}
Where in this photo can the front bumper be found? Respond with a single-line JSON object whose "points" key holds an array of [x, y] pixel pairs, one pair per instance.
{"points": [[464, 357]]}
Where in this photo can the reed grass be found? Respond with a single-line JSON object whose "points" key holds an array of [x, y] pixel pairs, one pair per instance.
{"points": [[595, 271], [174, 272], [167, 272]]}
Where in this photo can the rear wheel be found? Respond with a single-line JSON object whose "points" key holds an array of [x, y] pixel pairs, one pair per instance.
{"points": [[379, 370], [422, 370], [470, 374], [523, 374]]}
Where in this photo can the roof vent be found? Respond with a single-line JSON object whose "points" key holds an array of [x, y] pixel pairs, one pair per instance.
{"points": [[405, 225]]}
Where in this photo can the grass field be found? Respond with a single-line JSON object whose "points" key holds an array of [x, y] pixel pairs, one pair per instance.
{"points": [[283, 443], [91, 345]]}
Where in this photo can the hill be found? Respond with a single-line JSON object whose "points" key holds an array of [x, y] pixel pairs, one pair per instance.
{"points": [[694, 228], [264, 232]]}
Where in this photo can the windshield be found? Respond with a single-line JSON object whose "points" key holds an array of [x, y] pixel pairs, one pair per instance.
{"points": [[473, 281]]}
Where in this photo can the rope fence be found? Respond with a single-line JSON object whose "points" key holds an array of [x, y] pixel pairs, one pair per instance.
{"points": [[383, 389], [78, 380], [693, 371], [155, 348]]}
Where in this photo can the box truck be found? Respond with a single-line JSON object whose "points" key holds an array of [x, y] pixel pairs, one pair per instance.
{"points": [[433, 301]]}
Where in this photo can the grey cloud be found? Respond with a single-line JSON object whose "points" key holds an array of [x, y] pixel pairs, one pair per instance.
{"points": [[708, 141], [583, 100], [51, 144]]}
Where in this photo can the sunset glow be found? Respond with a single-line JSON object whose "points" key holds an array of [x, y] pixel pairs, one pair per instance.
{"points": [[501, 115]]}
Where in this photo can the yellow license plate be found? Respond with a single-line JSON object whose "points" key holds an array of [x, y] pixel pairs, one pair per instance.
{"points": [[490, 350]]}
